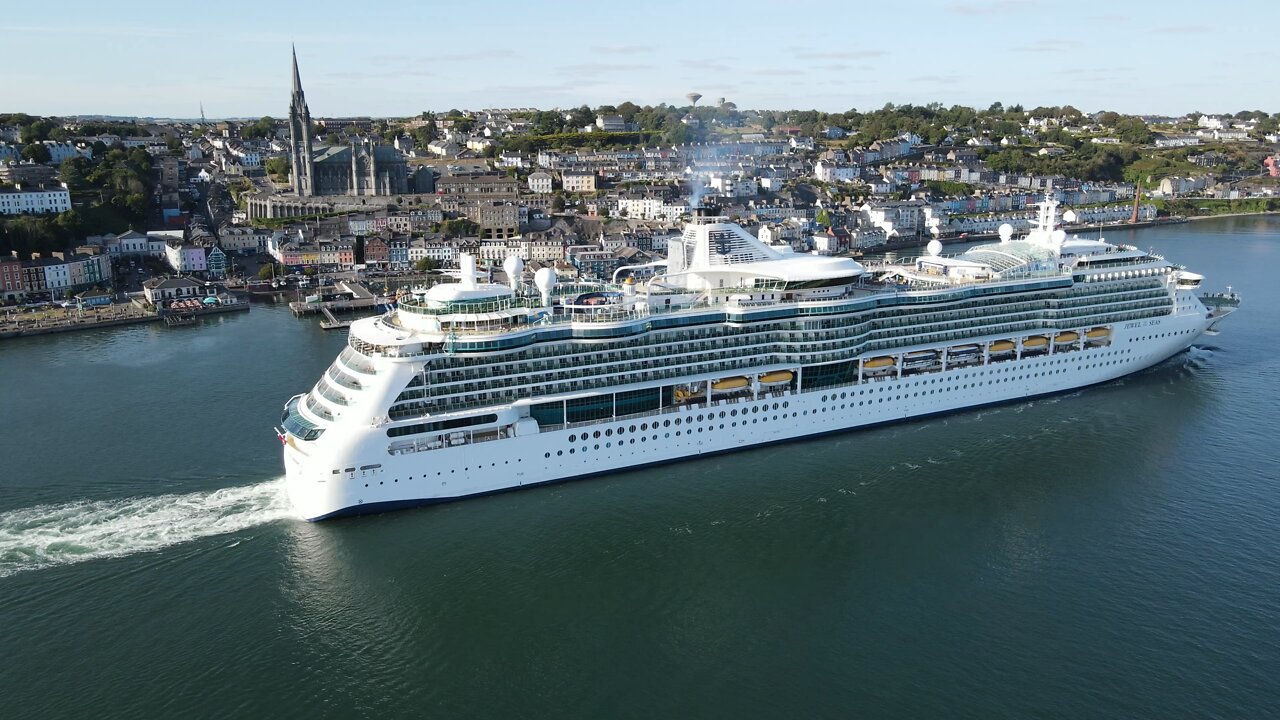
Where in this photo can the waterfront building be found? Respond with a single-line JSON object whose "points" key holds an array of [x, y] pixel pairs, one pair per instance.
{"points": [[158, 290], [216, 263], [11, 285], [185, 257]]}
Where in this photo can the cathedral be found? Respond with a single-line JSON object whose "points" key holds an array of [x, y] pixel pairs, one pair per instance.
{"points": [[360, 168]]}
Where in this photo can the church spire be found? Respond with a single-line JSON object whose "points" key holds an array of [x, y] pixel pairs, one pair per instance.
{"points": [[297, 80], [300, 136]]}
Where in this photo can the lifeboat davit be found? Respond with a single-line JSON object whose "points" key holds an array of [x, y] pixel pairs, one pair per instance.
{"points": [[1002, 346], [1098, 333], [1035, 341], [878, 362], [1066, 337], [732, 383], [777, 378]]}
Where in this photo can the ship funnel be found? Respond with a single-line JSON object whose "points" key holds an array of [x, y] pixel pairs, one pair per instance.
{"points": [[545, 280], [467, 263], [675, 255]]}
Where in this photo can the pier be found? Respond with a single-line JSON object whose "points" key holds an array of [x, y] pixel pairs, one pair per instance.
{"points": [[361, 299]]}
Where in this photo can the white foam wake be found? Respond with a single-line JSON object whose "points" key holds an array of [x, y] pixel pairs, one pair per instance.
{"points": [[46, 535]]}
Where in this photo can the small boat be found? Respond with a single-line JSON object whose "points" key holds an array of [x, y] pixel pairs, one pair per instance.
{"points": [[920, 359], [776, 378], [1035, 341], [1002, 346], [883, 361], [1098, 333], [733, 383], [1064, 338], [963, 350]]}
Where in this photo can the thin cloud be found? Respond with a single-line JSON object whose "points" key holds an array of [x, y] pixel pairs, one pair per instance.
{"points": [[470, 56], [778, 72], [711, 64], [991, 8], [1177, 29], [1050, 46], [126, 31], [843, 55], [589, 68], [621, 49]]}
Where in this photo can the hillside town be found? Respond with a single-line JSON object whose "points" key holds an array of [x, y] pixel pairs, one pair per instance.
{"points": [[92, 207]]}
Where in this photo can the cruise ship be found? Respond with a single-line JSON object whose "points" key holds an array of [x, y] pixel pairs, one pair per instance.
{"points": [[469, 387]]}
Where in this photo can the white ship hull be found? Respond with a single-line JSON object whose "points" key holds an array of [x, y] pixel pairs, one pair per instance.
{"points": [[381, 481]]}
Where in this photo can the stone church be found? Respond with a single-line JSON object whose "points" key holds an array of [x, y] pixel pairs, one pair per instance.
{"points": [[360, 168]]}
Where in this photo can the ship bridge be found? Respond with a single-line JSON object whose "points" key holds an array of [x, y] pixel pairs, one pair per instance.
{"points": [[716, 253]]}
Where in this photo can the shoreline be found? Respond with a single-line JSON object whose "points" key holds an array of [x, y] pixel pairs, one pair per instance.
{"points": [[9, 333], [1195, 218]]}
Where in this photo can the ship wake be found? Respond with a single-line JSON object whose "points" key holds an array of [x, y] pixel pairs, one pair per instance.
{"points": [[48, 535]]}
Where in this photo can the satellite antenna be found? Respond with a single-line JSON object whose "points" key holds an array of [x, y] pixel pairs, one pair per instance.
{"points": [[1069, 216], [693, 98], [934, 248], [1006, 232]]}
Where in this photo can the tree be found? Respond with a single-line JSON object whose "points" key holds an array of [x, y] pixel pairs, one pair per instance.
{"points": [[1133, 131], [278, 167], [72, 172], [37, 152], [37, 130], [268, 271], [557, 202], [425, 265], [823, 218]]}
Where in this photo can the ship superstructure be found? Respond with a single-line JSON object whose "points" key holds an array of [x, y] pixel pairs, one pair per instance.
{"points": [[469, 388]]}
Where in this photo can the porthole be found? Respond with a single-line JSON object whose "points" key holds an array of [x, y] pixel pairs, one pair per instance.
{"points": [[573, 438]]}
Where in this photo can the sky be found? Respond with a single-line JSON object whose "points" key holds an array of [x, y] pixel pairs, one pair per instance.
{"points": [[159, 58]]}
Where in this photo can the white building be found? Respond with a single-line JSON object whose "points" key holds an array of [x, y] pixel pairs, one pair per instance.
{"points": [[185, 257], [540, 183], [59, 151], [1211, 122], [1177, 141], [39, 201], [611, 123], [443, 253], [831, 172], [735, 185]]}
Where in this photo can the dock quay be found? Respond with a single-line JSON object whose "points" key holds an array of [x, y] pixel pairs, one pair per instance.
{"points": [[358, 298], [330, 322]]}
